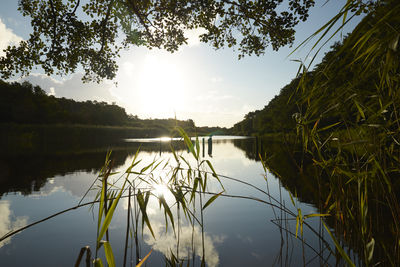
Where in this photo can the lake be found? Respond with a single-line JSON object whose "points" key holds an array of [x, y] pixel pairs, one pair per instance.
{"points": [[240, 228]]}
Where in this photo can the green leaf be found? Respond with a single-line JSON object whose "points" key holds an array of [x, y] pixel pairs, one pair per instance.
{"points": [[142, 205], [291, 198], [98, 262], [370, 249], [211, 200], [109, 215], [195, 184], [188, 142], [214, 174], [301, 221], [101, 204], [316, 215], [144, 259], [263, 163], [109, 254], [339, 248], [167, 211], [187, 163], [359, 109], [129, 170], [329, 126], [147, 167]]}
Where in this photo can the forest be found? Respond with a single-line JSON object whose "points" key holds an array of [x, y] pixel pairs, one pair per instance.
{"points": [[346, 88], [340, 126], [26, 104]]}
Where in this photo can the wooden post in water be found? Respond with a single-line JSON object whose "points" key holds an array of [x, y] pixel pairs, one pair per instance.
{"points": [[204, 146], [210, 146]]}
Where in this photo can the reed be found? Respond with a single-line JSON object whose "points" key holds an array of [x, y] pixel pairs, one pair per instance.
{"points": [[187, 179]]}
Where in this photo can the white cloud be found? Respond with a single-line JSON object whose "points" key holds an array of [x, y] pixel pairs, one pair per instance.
{"points": [[52, 91], [7, 37], [13, 21], [166, 242], [8, 222]]}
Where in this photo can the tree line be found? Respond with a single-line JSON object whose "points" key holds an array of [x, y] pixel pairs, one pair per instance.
{"points": [[24, 103]]}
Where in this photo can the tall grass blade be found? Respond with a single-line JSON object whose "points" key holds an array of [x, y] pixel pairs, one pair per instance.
{"points": [[142, 205], [370, 249], [109, 254], [109, 215], [144, 259], [339, 248], [211, 200]]}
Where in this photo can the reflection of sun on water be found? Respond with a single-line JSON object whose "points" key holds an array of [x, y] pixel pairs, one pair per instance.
{"points": [[165, 139], [161, 88]]}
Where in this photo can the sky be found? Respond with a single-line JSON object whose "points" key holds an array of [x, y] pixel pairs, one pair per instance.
{"points": [[212, 87]]}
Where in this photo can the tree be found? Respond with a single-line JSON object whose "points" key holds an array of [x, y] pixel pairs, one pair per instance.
{"points": [[72, 33]]}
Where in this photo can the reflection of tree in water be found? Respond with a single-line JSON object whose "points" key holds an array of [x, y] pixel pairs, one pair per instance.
{"points": [[312, 184], [30, 173], [284, 161], [27, 174]]}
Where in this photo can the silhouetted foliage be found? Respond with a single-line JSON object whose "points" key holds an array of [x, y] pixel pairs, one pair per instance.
{"points": [[25, 103], [345, 116], [276, 117], [67, 34]]}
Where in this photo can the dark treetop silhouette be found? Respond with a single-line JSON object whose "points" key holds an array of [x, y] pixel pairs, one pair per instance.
{"points": [[70, 33]]}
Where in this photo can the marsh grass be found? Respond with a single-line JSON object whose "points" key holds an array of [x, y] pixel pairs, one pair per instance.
{"points": [[187, 179], [349, 127], [188, 185], [350, 136]]}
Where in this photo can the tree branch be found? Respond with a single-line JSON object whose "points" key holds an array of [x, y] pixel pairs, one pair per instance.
{"points": [[139, 16], [54, 24], [104, 25]]}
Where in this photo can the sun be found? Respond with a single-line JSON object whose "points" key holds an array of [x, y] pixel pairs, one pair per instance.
{"points": [[160, 88], [160, 190]]}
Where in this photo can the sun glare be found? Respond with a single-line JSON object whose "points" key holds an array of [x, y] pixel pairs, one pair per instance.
{"points": [[165, 139], [161, 88], [160, 190]]}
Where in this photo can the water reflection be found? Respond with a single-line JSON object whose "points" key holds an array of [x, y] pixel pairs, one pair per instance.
{"points": [[189, 242], [210, 146], [258, 242], [9, 222], [28, 174]]}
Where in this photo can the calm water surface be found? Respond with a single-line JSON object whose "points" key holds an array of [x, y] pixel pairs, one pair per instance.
{"points": [[238, 232]]}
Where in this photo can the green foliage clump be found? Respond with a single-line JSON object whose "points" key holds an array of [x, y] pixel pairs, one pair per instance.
{"points": [[28, 104], [69, 34], [345, 113], [25, 104]]}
